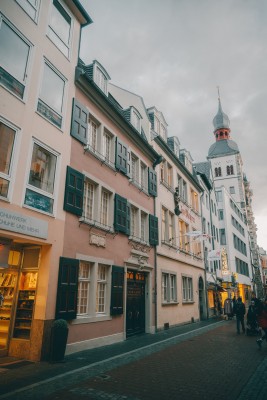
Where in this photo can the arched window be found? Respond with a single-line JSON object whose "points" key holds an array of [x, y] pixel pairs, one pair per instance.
{"points": [[218, 171], [230, 170]]}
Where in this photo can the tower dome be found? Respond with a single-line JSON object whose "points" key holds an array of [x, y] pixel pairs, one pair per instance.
{"points": [[221, 120]]}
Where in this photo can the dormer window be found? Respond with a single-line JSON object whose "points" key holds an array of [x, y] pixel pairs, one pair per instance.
{"points": [[100, 76], [135, 119]]}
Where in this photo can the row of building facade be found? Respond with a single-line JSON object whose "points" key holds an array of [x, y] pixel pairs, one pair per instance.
{"points": [[105, 220]]}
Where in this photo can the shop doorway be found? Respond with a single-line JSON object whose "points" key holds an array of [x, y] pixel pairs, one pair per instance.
{"points": [[201, 299], [135, 309]]}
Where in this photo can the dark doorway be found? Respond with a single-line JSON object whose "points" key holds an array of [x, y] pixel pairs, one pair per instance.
{"points": [[135, 310], [201, 298]]}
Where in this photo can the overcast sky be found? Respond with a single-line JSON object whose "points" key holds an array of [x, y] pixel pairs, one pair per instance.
{"points": [[174, 53]]}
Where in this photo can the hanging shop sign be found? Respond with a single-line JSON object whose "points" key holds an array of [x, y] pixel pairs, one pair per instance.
{"points": [[30, 226], [225, 269]]}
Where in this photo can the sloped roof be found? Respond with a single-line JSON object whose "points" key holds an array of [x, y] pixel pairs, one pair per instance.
{"points": [[222, 148]]}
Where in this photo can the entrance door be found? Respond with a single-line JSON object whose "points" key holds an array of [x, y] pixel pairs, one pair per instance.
{"points": [[135, 310], [201, 299]]}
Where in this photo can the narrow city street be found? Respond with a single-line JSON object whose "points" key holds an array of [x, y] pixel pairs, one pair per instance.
{"points": [[198, 362]]}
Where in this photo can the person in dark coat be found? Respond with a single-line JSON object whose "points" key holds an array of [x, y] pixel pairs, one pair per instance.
{"points": [[240, 311], [262, 321]]}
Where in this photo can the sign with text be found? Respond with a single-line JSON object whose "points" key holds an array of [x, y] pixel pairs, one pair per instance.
{"points": [[30, 226]]}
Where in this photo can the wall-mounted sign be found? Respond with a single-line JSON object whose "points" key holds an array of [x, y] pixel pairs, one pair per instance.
{"points": [[30, 226], [225, 269]]}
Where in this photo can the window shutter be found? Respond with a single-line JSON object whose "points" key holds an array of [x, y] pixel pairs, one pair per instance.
{"points": [[121, 215], [79, 122], [116, 306], [153, 230], [66, 306], [73, 201], [121, 156], [129, 164], [152, 182]]}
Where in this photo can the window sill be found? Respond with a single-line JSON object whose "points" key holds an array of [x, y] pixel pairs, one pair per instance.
{"points": [[38, 210], [50, 122], [96, 224], [100, 157], [90, 319], [139, 187], [139, 241], [188, 302], [167, 186], [170, 303]]}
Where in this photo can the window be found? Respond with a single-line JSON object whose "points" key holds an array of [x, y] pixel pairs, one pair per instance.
{"points": [[31, 7], [94, 283], [218, 171], [50, 102], [167, 227], [134, 168], [59, 30], [14, 56], [41, 182], [97, 204], [144, 177], [107, 146], [101, 289], [232, 189], [169, 175], [182, 185], [222, 237], [194, 200], [135, 120], [169, 288], [134, 221], [7, 140], [101, 80], [187, 289], [230, 170], [184, 240], [84, 288], [144, 224], [92, 131], [219, 195], [221, 216]]}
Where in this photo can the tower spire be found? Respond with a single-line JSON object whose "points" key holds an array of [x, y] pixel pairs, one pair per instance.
{"points": [[221, 121]]}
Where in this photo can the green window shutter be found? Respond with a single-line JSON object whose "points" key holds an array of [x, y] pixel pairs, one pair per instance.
{"points": [[153, 230], [121, 215], [116, 304], [129, 171], [67, 291], [121, 161], [152, 182], [79, 122], [73, 201]]}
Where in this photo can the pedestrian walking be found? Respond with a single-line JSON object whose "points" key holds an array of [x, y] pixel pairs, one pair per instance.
{"points": [[240, 311], [262, 321]]}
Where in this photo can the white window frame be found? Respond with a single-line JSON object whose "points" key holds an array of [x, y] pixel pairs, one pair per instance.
{"points": [[169, 287], [99, 189], [58, 41], [187, 289], [42, 103], [5, 67], [10, 176], [36, 190], [94, 283], [100, 79], [31, 7], [135, 120], [141, 224], [84, 286]]}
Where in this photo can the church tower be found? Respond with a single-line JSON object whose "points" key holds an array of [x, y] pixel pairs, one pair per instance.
{"points": [[225, 158]]}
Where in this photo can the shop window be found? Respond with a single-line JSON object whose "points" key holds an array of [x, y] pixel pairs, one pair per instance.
{"points": [[8, 283], [14, 56]]}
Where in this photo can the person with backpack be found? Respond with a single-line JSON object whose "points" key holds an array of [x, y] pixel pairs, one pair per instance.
{"points": [[239, 311]]}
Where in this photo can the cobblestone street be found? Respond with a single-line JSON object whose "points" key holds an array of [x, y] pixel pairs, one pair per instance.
{"points": [[217, 364]]}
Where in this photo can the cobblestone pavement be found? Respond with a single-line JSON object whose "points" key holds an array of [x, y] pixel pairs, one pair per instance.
{"points": [[213, 363]]}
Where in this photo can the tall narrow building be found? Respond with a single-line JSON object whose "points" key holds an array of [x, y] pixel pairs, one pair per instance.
{"points": [[226, 165]]}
